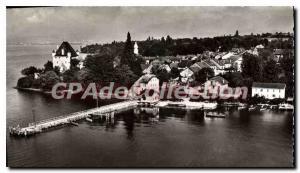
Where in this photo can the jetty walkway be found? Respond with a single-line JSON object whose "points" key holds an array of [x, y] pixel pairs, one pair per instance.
{"points": [[39, 126]]}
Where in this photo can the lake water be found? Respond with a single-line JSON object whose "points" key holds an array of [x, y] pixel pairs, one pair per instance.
{"points": [[139, 138]]}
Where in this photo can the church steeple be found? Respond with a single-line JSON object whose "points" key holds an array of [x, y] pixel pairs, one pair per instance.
{"points": [[136, 49]]}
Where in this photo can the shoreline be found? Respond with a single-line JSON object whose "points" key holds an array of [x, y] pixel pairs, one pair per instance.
{"points": [[33, 90]]}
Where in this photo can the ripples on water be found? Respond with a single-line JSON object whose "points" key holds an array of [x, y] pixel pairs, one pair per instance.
{"points": [[143, 138]]}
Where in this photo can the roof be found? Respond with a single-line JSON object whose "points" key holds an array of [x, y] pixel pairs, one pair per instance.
{"points": [[186, 72], [268, 85], [146, 78], [174, 64], [148, 69], [195, 68], [219, 79], [144, 66], [67, 48], [227, 55], [202, 64], [234, 58]]}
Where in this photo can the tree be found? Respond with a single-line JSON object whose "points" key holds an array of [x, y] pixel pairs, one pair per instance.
{"points": [[252, 67], [99, 68], [70, 75], [128, 51], [235, 79], [48, 66], [174, 72], [48, 80], [168, 40], [57, 70], [29, 71], [287, 65], [271, 71], [123, 75], [74, 62], [25, 82], [236, 33], [204, 74], [163, 40], [163, 76]]}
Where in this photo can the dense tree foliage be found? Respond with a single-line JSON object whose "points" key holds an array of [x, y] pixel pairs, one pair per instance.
{"points": [[184, 46], [29, 71], [99, 68], [204, 74], [48, 66], [48, 80], [25, 82], [252, 67]]}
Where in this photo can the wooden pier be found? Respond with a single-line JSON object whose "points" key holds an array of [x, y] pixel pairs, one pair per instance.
{"points": [[37, 127]]}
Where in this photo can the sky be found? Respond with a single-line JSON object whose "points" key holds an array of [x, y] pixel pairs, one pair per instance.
{"points": [[106, 24]]}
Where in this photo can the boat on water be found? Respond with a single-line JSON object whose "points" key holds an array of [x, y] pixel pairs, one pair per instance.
{"points": [[286, 106], [88, 119], [242, 106], [252, 108], [215, 115]]}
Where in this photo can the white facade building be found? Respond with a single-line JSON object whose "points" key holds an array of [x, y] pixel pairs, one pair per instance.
{"points": [[146, 82], [62, 56], [186, 75], [269, 90]]}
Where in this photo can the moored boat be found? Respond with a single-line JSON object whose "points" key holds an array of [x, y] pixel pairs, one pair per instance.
{"points": [[286, 106]]}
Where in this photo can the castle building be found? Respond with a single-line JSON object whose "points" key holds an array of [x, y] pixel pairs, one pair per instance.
{"points": [[136, 49], [62, 56]]}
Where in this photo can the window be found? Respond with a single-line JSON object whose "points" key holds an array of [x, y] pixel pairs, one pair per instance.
{"points": [[261, 90]]}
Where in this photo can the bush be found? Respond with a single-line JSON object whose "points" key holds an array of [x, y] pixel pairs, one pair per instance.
{"points": [[25, 82]]}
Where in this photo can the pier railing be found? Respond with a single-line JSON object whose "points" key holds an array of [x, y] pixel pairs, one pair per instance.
{"points": [[102, 109], [63, 119]]}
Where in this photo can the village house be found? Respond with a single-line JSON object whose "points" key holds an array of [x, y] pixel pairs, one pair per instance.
{"points": [[269, 90], [214, 85], [147, 81], [216, 82], [186, 75]]}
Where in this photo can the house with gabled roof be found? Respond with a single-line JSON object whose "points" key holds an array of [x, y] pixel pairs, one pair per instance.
{"points": [[145, 82], [186, 75], [217, 81]]}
